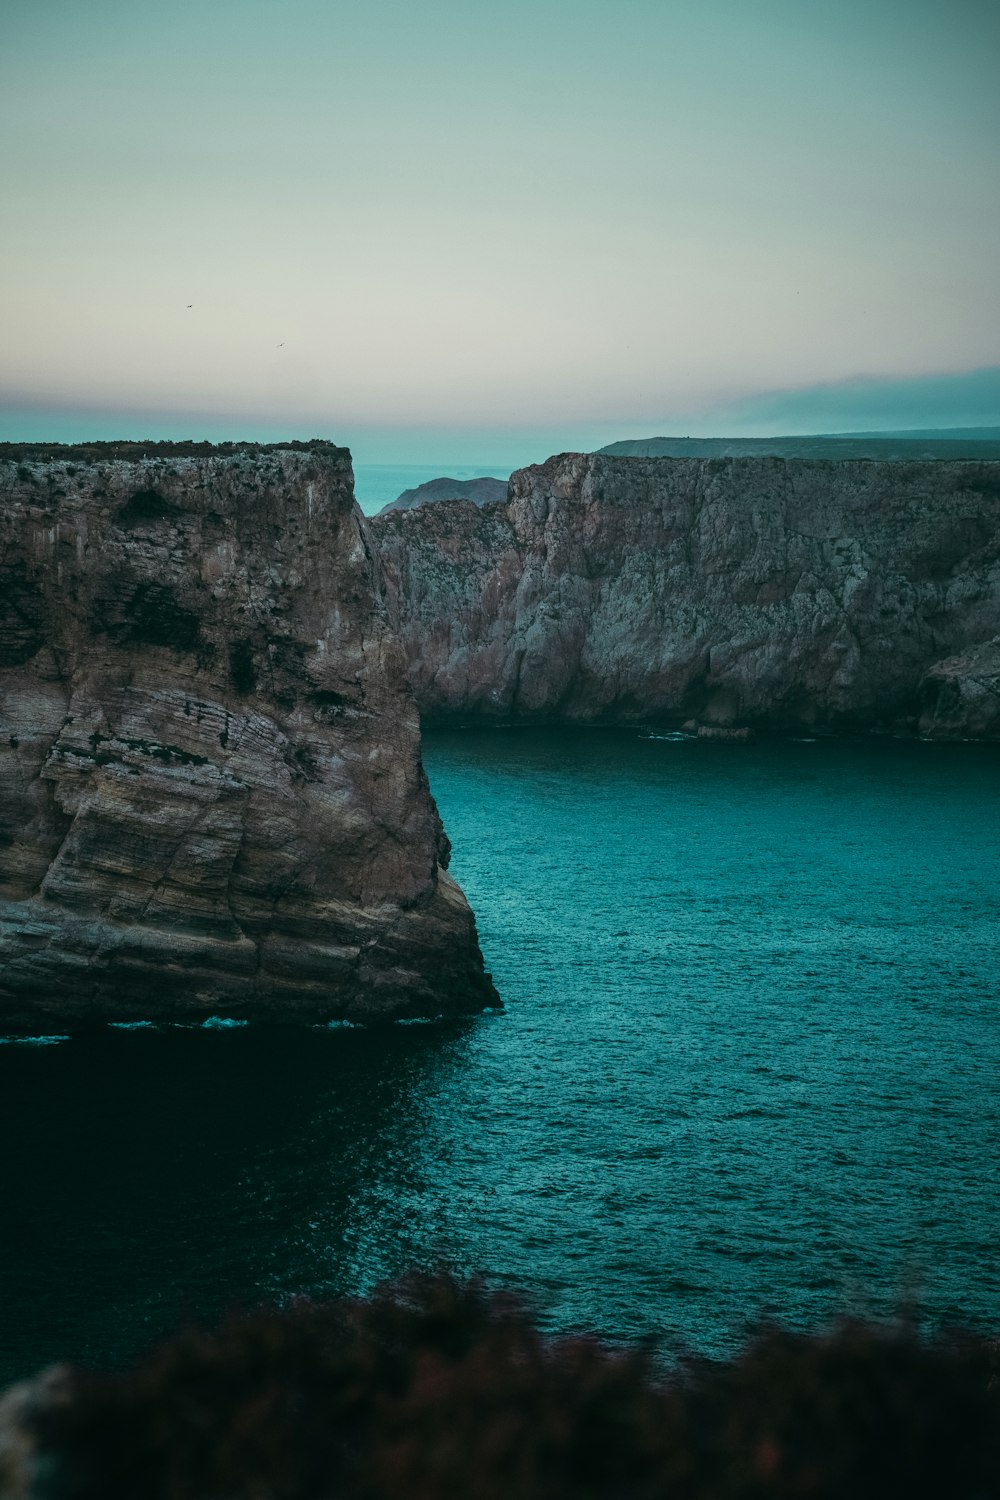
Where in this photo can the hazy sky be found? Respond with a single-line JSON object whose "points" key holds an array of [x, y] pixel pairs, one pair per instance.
{"points": [[572, 216]]}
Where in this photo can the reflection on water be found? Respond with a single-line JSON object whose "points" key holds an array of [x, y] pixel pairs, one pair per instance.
{"points": [[749, 1062]]}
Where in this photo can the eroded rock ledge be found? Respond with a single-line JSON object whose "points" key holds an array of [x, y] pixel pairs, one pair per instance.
{"points": [[780, 594], [211, 795]]}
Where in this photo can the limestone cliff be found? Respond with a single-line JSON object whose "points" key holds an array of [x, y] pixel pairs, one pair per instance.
{"points": [[753, 591], [211, 795]]}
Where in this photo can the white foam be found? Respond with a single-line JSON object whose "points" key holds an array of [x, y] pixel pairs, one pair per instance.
{"points": [[32, 1041]]}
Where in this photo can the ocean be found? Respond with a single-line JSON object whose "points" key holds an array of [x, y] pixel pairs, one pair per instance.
{"points": [[748, 1067]]}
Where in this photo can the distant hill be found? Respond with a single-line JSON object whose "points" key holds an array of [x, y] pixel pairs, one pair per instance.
{"points": [[948, 442], [479, 491]]}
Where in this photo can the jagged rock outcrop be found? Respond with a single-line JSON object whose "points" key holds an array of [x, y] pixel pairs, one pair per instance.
{"points": [[766, 592], [961, 696], [211, 795], [480, 491]]}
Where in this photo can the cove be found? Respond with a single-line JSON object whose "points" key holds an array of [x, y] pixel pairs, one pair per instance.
{"points": [[747, 1065]]}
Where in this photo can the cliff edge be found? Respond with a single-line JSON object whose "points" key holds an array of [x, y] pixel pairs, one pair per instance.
{"points": [[211, 794], [782, 594]]}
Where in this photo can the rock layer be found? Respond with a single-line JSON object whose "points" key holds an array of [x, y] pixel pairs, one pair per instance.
{"points": [[736, 591], [211, 795]]}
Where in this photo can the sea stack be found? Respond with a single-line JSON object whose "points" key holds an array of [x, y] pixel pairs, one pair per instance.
{"points": [[211, 795]]}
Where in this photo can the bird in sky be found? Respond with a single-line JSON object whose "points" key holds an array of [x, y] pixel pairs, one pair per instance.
{"points": [[190, 304]]}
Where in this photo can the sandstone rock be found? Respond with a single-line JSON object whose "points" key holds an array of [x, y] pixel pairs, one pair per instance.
{"points": [[211, 795], [773, 593]]}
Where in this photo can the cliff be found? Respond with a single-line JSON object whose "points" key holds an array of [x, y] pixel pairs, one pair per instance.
{"points": [[786, 594], [211, 795]]}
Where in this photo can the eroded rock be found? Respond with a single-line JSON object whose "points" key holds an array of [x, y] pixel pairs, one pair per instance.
{"points": [[211, 795], [961, 695], [728, 593]]}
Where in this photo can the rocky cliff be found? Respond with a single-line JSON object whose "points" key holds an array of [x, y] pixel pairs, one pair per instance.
{"points": [[211, 795], [786, 594]]}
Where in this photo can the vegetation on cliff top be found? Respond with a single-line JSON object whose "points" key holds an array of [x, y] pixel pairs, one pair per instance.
{"points": [[104, 452]]}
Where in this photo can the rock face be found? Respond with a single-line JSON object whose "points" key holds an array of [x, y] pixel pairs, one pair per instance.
{"points": [[211, 795], [479, 491], [774, 593], [961, 696]]}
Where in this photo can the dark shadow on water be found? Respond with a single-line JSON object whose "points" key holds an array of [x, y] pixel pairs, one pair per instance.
{"points": [[152, 1176]]}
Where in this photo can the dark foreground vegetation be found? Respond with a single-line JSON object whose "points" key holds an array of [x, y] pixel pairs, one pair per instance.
{"points": [[437, 1388]]}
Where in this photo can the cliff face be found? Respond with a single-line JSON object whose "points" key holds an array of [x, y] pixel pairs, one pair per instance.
{"points": [[211, 796], [961, 696], [781, 593]]}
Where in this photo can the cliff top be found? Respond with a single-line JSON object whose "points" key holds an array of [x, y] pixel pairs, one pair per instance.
{"points": [[975, 443], [129, 450]]}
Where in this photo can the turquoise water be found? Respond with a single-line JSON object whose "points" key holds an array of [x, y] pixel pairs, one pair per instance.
{"points": [[749, 1063]]}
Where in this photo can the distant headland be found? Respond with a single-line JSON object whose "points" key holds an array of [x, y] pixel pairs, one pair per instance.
{"points": [[937, 443]]}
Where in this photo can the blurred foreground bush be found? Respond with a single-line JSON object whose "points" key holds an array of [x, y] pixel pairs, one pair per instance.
{"points": [[436, 1388]]}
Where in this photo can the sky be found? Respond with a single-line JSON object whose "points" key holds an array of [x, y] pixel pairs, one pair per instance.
{"points": [[439, 229]]}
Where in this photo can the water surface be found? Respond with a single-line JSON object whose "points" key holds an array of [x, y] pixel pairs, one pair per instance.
{"points": [[749, 1063]]}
